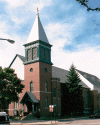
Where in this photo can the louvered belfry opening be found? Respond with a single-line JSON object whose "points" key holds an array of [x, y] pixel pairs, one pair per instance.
{"points": [[42, 53], [34, 53], [29, 55]]}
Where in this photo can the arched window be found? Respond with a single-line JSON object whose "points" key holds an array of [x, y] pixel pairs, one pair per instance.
{"points": [[54, 92], [46, 87], [58, 93], [31, 86]]}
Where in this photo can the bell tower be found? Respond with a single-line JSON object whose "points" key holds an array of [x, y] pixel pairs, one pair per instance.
{"points": [[38, 66], [37, 47], [37, 51]]}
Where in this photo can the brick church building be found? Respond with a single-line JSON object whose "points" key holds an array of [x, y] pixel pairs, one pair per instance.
{"points": [[43, 81]]}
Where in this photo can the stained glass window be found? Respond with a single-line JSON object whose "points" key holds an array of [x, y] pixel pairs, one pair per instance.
{"points": [[46, 87]]}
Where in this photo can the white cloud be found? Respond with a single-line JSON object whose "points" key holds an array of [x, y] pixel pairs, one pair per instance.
{"points": [[40, 4], [19, 11], [35, 3], [8, 51], [15, 3], [60, 34], [87, 60], [4, 28]]}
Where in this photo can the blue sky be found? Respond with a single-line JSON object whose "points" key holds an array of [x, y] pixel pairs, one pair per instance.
{"points": [[73, 32]]}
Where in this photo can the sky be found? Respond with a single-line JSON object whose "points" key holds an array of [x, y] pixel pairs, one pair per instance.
{"points": [[70, 28]]}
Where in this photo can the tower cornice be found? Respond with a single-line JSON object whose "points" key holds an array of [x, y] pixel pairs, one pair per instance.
{"points": [[37, 41]]}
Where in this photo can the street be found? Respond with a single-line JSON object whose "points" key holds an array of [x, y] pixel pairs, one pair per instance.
{"points": [[68, 121]]}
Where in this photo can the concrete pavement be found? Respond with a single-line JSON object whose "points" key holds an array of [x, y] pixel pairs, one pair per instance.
{"points": [[45, 122]]}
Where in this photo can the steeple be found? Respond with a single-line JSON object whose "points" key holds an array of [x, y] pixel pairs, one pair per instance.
{"points": [[37, 48], [37, 31]]}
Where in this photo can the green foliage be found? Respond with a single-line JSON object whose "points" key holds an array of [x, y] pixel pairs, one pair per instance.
{"points": [[85, 3], [74, 92], [10, 87], [20, 112]]}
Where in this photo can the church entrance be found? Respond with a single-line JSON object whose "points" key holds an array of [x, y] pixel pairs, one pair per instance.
{"points": [[30, 101], [29, 106]]}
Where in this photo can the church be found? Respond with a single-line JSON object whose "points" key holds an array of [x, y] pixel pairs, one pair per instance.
{"points": [[43, 81]]}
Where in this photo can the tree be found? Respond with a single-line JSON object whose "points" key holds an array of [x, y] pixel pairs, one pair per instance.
{"points": [[10, 87], [85, 3], [74, 97]]}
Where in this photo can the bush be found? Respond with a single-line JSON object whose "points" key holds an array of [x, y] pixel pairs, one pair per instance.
{"points": [[37, 114]]}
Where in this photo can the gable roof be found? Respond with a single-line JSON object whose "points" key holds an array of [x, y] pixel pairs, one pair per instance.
{"points": [[21, 57], [62, 74], [17, 55], [59, 73], [29, 96], [91, 78]]}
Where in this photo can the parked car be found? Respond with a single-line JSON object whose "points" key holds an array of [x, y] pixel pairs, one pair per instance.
{"points": [[96, 115], [4, 118]]}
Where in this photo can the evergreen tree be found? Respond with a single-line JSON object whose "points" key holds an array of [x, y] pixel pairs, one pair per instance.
{"points": [[10, 87], [74, 92]]}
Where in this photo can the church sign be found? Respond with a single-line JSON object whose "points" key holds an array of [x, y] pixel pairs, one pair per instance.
{"points": [[51, 108]]}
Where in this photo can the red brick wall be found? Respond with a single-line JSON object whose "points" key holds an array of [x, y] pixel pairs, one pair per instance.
{"points": [[56, 100], [32, 77], [38, 77], [45, 77], [95, 97]]}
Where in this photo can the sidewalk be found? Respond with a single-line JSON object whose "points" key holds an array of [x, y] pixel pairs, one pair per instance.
{"points": [[38, 122], [45, 122]]}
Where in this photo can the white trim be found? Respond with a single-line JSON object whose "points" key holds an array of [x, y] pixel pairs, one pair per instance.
{"points": [[12, 109], [42, 92], [89, 84]]}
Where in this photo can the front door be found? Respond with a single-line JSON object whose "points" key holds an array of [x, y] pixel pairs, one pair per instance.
{"points": [[29, 106]]}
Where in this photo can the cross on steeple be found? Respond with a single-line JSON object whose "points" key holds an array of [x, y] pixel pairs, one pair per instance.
{"points": [[37, 11]]}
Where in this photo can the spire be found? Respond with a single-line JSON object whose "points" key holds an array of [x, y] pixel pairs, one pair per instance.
{"points": [[37, 31]]}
